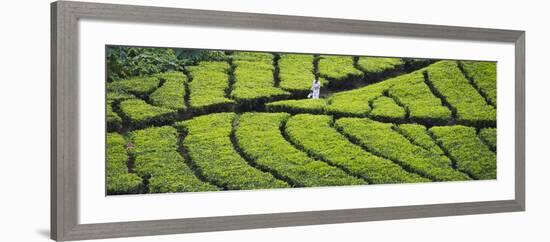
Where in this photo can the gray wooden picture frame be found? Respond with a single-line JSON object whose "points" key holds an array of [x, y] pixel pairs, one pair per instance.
{"points": [[65, 109]]}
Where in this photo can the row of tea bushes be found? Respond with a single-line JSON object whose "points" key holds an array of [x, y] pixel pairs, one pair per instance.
{"points": [[254, 79], [157, 159], [467, 150], [338, 70], [484, 75], [210, 80], [140, 114], [314, 134], [383, 141], [171, 94], [296, 73], [315, 106], [119, 180], [386, 109], [379, 67], [259, 136], [418, 135], [210, 148], [489, 135]]}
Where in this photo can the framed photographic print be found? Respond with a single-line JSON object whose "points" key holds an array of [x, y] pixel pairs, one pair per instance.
{"points": [[168, 120]]}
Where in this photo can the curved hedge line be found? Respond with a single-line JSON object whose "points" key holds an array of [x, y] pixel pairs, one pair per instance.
{"points": [[316, 106], [260, 138], [469, 152], [296, 73], [384, 108], [140, 114], [418, 135], [139, 86], [207, 89], [489, 135], [210, 148], [338, 69], [171, 93], [484, 75], [380, 139], [119, 180], [314, 134], [379, 67]]}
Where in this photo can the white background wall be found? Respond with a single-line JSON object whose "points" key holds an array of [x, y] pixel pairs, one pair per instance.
{"points": [[24, 120]]}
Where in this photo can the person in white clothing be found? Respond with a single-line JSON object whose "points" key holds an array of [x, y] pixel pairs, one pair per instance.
{"points": [[315, 89]]}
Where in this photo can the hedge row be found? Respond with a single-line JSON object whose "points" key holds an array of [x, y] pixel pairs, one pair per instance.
{"points": [[418, 135], [484, 75], [296, 73], [469, 152], [378, 67], [156, 158], [260, 138], [489, 135], [140, 113], [114, 122], [338, 69], [314, 134], [382, 140], [210, 80], [356, 102], [316, 106], [171, 93], [210, 148], [139, 86], [385, 109], [119, 180], [471, 107], [414, 94], [254, 80]]}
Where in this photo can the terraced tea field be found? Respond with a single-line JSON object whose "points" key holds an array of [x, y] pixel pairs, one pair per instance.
{"points": [[245, 122]]}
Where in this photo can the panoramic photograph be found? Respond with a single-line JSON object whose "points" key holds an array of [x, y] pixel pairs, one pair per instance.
{"points": [[193, 120]]}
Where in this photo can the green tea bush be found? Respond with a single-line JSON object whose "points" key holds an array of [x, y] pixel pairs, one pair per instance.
{"points": [[356, 102], [380, 139], [114, 122], [125, 62], [139, 86], [157, 159], [418, 135], [210, 148], [260, 138], [210, 80], [296, 73], [338, 69], [140, 113], [379, 67], [484, 75], [171, 93], [314, 134], [254, 82], [114, 96], [467, 150], [414, 94], [470, 106], [385, 109], [298, 106], [119, 180], [489, 135]]}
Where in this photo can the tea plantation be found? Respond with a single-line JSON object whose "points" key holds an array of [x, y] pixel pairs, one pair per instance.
{"points": [[243, 121]]}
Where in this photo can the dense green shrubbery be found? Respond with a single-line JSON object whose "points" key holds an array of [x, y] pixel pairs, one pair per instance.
{"points": [[254, 82], [171, 93], [126, 62], [414, 94], [157, 159], [356, 102], [209, 145], [298, 106], [260, 138], [380, 139], [114, 122], [469, 152], [208, 87], [489, 135], [385, 109], [378, 67], [484, 75], [470, 106], [314, 134], [338, 69], [140, 113], [119, 180], [139, 86], [418, 135], [296, 73]]}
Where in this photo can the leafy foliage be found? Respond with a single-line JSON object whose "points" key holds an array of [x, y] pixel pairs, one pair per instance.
{"points": [[296, 72], [209, 145], [380, 139], [139, 86], [171, 93], [489, 135], [469, 152], [378, 66], [484, 75], [126, 62], [140, 113], [298, 106], [208, 87], [338, 69], [260, 138], [384, 108], [314, 134], [470, 107], [418, 135], [119, 180]]}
